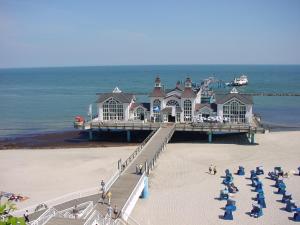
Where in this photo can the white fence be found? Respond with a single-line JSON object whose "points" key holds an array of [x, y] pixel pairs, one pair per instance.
{"points": [[134, 196], [69, 197], [46, 216]]}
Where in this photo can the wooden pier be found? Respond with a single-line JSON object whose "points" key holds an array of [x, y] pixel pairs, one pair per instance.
{"points": [[254, 127], [123, 187]]}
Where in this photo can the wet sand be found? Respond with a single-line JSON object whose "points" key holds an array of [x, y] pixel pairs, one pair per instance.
{"points": [[69, 139]]}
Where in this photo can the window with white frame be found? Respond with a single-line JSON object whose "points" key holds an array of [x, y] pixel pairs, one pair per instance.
{"points": [[235, 111], [187, 110], [113, 110], [173, 103]]}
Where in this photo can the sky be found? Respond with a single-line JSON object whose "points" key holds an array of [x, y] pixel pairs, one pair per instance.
{"points": [[50, 33]]}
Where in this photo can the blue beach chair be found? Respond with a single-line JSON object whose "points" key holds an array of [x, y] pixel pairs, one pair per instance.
{"points": [[278, 181], [227, 180], [262, 202], [228, 211], [241, 171], [290, 206], [231, 202], [258, 187], [286, 197], [228, 215], [253, 174], [297, 215], [256, 211], [260, 194], [281, 188], [259, 170], [224, 194], [254, 181], [273, 176]]}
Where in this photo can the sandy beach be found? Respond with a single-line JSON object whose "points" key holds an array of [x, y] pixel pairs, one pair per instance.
{"points": [[181, 190], [47, 174]]}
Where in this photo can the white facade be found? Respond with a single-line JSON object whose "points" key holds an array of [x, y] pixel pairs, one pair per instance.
{"points": [[181, 104]]}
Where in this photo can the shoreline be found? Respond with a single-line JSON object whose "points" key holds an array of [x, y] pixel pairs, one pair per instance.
{"points": [[58, 139], [71, 138]]}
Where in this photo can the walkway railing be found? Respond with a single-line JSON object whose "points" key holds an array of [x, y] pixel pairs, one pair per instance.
{"points": [[122, 125], [86, 207], [95, 217], [46, 216], [152, 162], [70, 196], [112, 180], [137, 150], [136, 191]]}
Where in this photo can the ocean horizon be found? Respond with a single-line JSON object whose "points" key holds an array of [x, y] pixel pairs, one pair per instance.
{"points": [[46, 99]]}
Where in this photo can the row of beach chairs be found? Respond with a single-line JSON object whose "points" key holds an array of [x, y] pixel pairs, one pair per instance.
{"points": [[257, 208], [225, 194], [277, 176]]}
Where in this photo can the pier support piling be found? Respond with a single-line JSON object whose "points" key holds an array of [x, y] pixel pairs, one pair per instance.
{"points": [[145, 192], [90, 135], [128, 136], [209, 137], [252, 140]]}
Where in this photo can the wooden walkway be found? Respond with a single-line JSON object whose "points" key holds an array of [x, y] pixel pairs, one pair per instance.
{"points": [[124, 185]]}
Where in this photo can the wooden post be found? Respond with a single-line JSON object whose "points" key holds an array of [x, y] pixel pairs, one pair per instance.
{"points": [[128, 136], [209, 137], [252, 139], [120, 164], [90, 135]]}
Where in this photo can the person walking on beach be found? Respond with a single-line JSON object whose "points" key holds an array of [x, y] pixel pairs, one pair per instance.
{"points": [[215, 170], [210, 169], [26, 216], [102, 186], [109, 194], [109, 211], [116, 211]]}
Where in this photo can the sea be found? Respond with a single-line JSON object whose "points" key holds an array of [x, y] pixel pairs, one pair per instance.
{"points": [[38, 100]]}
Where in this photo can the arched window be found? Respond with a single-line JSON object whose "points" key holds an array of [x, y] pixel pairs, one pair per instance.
{"points": [[139, 114], [173, 103], [113, 110], [235, 111], [187, 110], [156, 113]]}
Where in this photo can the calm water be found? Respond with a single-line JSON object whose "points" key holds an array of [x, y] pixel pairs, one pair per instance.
{"points": [[45, 99]]}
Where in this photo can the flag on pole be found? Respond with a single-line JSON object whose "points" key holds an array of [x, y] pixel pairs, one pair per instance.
{"points": [[90, 110]]}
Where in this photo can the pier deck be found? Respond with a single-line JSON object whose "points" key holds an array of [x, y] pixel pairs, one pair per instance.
{"points": [[201, 127]]}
